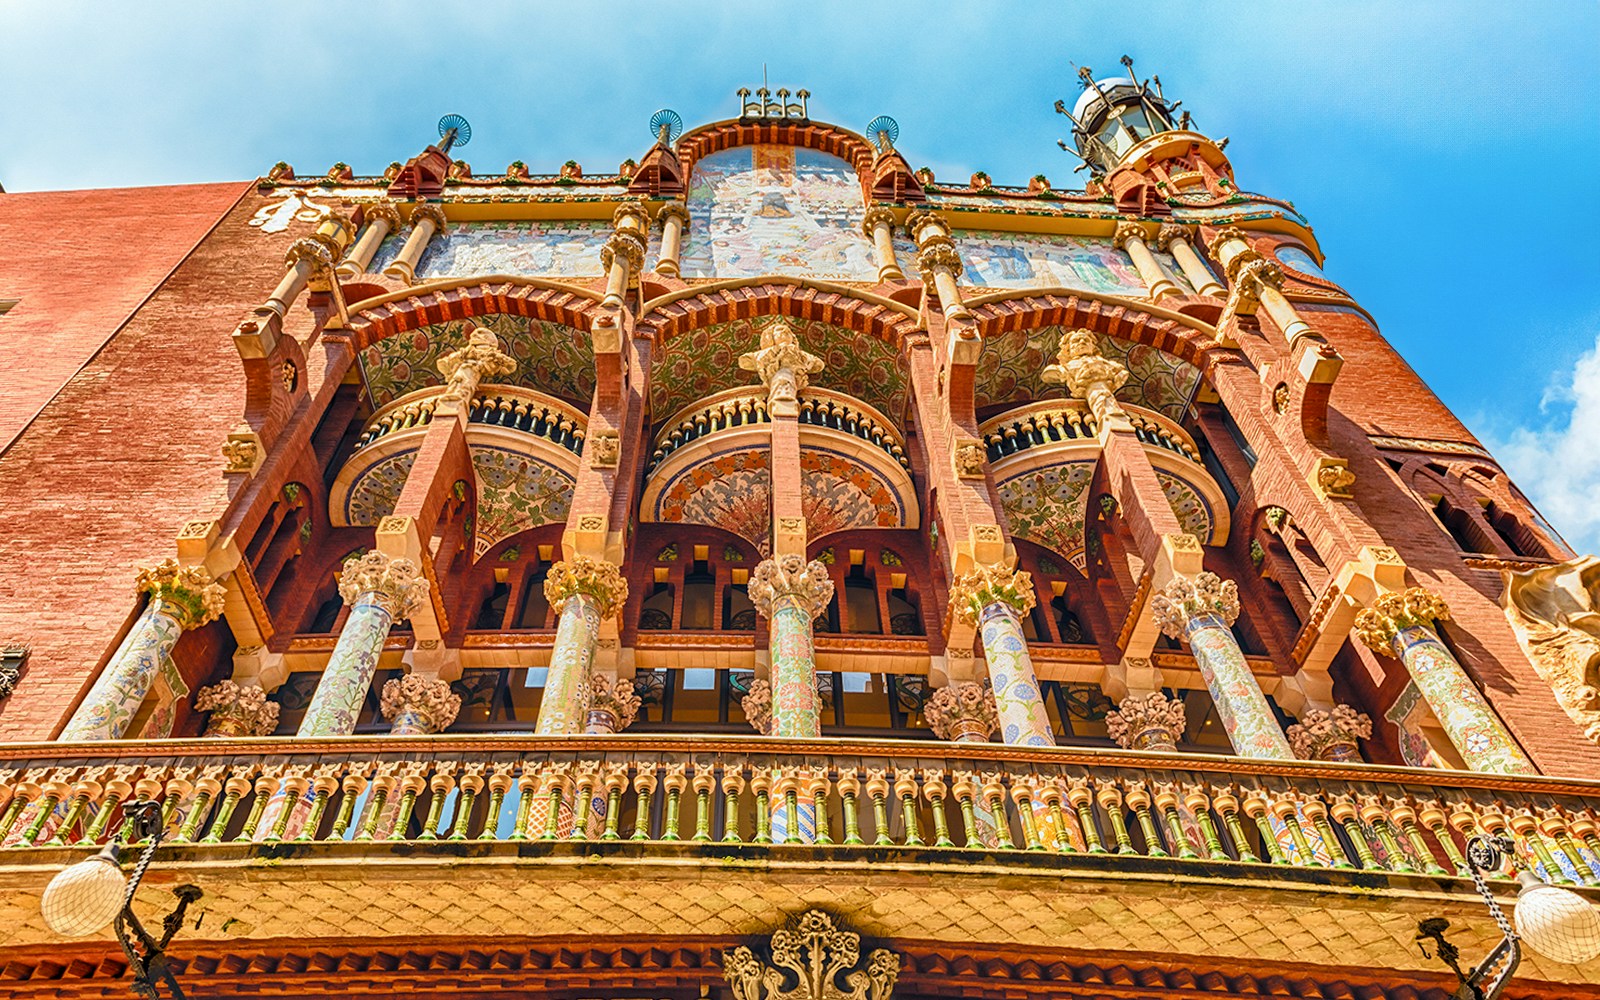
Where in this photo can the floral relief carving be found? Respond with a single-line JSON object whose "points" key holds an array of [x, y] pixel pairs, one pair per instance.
{"points": [[790, 578], [237, 710], [465, 368], [1188, 598], [595, 578], [613, 704], [1378, 624], [418, 704], [963, 712], [816, 957], [987, 585], [187, 593], [1147, 722], [395, 585], [1331, 735]]}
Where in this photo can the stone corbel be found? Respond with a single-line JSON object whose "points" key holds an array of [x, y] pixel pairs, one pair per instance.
{"points": [[970, 458], [1332, 479], [401, 538], [1375, 570], [243, 451], [201, 543], [589, 535], [789, 536], [1132, 676]]}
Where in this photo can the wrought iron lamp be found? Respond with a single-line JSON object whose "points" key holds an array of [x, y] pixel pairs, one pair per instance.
{"points": [[86, 896], [1554, 922]]}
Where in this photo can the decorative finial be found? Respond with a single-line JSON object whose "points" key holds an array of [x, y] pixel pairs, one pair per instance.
{"points": [[454, 130], [883, 131], [666, 125], [764, 107]]}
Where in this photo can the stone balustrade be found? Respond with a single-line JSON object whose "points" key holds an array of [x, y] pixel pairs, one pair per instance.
{"points": [[747, 405], [1053, 420], [847, 794], [506, 406]]}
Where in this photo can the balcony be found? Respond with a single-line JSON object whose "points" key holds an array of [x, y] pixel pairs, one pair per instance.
{"points": [[1047, 422], [522, 410], [748, 405], [635, 837]]}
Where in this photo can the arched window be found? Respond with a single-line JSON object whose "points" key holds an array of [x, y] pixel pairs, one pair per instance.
{"points": [[655, 614], [861, 602]]}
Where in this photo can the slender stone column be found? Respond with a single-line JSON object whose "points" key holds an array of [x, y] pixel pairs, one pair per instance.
{"points": [[622, 256], [878, 226], [379, 591], [1257, 281], [963, 713], [1399, 623], [789, 593], [418, 705], [674, 217], [1130, 237], [1200, 609], [584, 591], [1331, 735], [181, 597], [382, 219], [938, 264], [1175, 240], [304, 258], [1147, 722], [426, 221], [991, 599]]}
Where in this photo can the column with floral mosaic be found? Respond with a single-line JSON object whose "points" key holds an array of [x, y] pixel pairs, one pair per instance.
{"points": [[584, 592], [992, 600], [417, 705], [1200, 610], [1400, 624], [181, 597], [789, 593], [380, 591]]}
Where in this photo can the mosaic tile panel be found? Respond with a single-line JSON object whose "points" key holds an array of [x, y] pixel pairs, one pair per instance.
{"points": [[704, 361], [837, 493], [1046, 506], [377, 489], [538, 248], [769, 209], [516, 492], [1297, 259], [550, 357], [1193, 512], [1034, 260], [1009, 368]]}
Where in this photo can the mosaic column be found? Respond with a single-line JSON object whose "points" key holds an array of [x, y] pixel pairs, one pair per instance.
{"points": [[584, 592], [613, 704], [789, 593], [380, 591], [1331, 735], [181, 597], [1399, 623], [1200, 610], [1147, 722], [992, 599], [237, 710], [419, 705], [963, 713]]}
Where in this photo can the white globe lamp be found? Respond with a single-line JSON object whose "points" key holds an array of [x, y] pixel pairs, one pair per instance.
{"points": [[1555, 922], [85, 897]]}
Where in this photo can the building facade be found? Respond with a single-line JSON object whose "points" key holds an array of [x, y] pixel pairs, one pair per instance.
{"points": [[765, 570]]}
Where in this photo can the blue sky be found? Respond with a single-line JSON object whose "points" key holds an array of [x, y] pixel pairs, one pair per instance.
{"points": [[1442, 151]]}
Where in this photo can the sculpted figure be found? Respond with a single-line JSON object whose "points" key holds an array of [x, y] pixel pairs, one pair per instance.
{"points": [[1555, 611]]}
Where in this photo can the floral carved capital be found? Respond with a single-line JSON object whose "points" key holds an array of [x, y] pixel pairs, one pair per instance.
{"points": [[424, 704], [972, 592], [396, 585], [311, 251], [1127, 232], [186, 592], [1331, 735], [963, 712], [383, 211], [1226, 235], [429, 213], [938, 253], [595, 578], [815, 956], [1147, 722], [237, 710], [1378, 624], [1187, 598], [615, 697], [875, 217], [673, 210], [467, 366], [626, 245], [790, 577], [1169, 234]]}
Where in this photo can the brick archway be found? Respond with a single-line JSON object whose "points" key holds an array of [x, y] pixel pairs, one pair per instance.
{"points": [[378, 319]]}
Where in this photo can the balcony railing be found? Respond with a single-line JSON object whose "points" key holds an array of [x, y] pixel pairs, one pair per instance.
{"points": [[747, 405], [1052, 420], [506, 406], [851, 794]]}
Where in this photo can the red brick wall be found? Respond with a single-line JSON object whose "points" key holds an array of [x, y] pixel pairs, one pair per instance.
{"points": [[80, 262]]}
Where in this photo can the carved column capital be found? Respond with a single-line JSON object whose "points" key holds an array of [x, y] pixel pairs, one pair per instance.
{"points": [[187, 593], [790, 577], [1226, 235], [935, 254], [314, 252], [237, 710], [1187, 598], [815, 955], [428, 702], [1331, 735], [1128, 231], [972, 592], [584, 575], [383, 211], [876, 216], [481, 357], [1147, 722], [673, 210], [1170, 232], [1249, 268], [925, 220], [614, 701], [631, 216], [1378, 623], [431, 213], [396, 585], [626, 245], [963, 712]]}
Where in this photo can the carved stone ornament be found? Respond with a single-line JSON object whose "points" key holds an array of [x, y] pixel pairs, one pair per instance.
{"points": [[237, 710], [418, 704], [812, 961], [1126, 232], [1250, 269], [465, 368], [613, 704], [312, 251], [1086, 374], [584, 575], [186, 592], [1147, 722], [1377, 625], [1185, 599], [1169, 234], [1555, 613], [1224, 236], [396, 585], [757, 706], [12, 656], [875, 217], [923, 218], [629, 246], [429, 213], [970, 457], [673, 210], [790, 577], [963, 713], [1335, 479], [1331, 735], [938, 253], [241, 454], [631, 215], [607, 450], [383, 211], [784, 366], [972, 592]]}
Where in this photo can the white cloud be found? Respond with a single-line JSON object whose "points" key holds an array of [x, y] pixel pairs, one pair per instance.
{"points": [[1558, 464]]}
